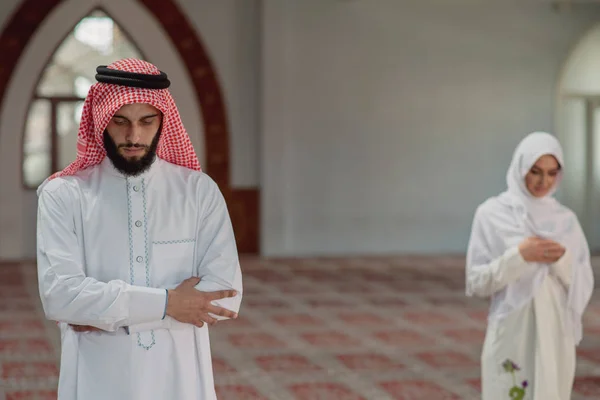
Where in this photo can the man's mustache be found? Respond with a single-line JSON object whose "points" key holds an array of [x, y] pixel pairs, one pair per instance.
{"points": [[131, 145]]}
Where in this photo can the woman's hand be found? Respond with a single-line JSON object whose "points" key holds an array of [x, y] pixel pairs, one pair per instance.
{"points": [[535, 249]]}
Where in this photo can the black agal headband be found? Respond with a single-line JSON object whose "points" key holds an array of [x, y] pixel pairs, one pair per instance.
{"points": [[132, 79]]}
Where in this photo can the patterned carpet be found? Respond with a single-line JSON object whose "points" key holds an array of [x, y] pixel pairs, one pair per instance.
{"points": [[347, 329]]}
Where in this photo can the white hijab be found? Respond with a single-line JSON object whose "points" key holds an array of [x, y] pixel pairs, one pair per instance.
{"points": [[516, 214]]}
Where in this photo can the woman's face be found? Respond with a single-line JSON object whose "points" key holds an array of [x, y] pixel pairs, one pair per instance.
{"points": [[541, 178]]}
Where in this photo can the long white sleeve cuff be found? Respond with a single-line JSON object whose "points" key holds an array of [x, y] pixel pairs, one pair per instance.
{"points": [[166, 323], [486, 279], [562, 269], [146, 304]]}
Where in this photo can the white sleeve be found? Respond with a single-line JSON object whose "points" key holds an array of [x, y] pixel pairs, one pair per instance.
{"points": [[67, 294], [218, 264], [581, 285], [166, 322], [485, 274], [562, 269]]}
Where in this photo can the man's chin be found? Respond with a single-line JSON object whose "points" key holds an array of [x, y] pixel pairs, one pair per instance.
{"points": [[132, 157]]}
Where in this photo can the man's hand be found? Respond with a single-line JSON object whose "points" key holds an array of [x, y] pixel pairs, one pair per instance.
{"points": [[85, 328], [191, 306]]}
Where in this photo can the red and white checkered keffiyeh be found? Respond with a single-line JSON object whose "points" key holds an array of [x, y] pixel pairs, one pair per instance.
{"points": [[104, 100]]}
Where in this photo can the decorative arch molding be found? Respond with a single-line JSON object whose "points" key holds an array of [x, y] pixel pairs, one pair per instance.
{"points": [[243, 204], [577, 103]]}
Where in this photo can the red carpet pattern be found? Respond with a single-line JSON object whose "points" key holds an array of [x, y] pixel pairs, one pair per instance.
{"points": [[312, 329]]}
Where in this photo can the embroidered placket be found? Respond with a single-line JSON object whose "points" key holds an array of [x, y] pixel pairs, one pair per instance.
{"points": [[139, 264]]}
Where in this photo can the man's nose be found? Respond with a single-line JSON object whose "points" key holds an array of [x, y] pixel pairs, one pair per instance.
{"points": [[134, 134]]}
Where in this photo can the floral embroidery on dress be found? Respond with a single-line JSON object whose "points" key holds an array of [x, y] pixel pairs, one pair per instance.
{"points": [[515, 392]]}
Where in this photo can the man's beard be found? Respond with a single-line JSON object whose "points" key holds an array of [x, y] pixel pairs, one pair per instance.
{"points": [[130, 167]]}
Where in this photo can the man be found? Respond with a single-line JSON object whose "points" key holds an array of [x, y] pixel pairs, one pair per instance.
{"points": [[136, 253]]}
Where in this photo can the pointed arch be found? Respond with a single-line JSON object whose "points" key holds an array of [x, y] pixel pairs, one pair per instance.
{"points": [[50, 130], [243, 204], [577, 120]]}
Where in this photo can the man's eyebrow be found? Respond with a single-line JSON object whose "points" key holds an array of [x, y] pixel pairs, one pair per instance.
{"points": [[143, 117]]}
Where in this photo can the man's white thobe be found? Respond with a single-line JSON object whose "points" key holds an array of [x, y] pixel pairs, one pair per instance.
{"points": [[108, 247]]}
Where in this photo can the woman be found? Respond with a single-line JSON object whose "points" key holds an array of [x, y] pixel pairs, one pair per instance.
{"points": [[528, 252]]}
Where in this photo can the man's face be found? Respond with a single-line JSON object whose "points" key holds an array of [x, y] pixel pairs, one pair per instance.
{"points": [[131, 137]]}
